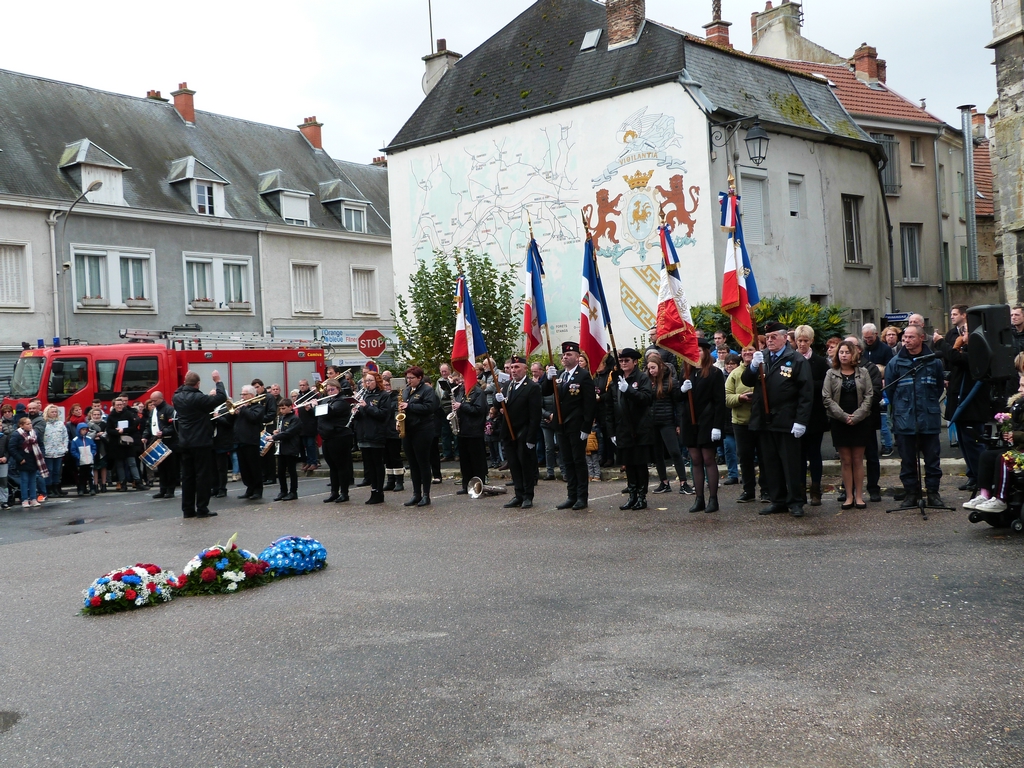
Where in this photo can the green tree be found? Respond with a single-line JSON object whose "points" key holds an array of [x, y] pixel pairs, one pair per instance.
{"points": [[791, 310], [425, 321]]}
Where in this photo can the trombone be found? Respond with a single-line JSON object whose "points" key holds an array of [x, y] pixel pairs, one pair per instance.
{"points": [[230, 407], [313, 393]]}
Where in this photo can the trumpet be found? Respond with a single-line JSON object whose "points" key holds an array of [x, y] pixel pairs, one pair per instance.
{"points": [[477, 489], [230, 407], [400, 418]]}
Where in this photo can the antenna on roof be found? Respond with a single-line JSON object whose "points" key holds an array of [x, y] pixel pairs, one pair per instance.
{"points": [[430, 19]]}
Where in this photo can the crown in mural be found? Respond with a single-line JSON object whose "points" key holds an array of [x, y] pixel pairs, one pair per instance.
{"points": [[638, 180]]}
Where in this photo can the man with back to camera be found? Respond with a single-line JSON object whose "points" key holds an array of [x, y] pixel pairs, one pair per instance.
{"points": [[916, 419], [195, 442]]}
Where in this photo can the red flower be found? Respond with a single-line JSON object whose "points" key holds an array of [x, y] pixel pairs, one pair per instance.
{"points": [[182, 581], [212, 553], [131, 594], [208, 575], [117, 576], [152, 570], [151, 587], [95, 602], [234, 547], [264, 566]]}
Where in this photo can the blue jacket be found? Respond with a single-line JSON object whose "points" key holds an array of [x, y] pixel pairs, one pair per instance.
{"points": [[915, 400], [80, 441]]}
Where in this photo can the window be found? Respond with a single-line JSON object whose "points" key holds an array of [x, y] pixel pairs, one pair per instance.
{"points": [[140, 375], [204, 199], [915, 152], [590, 40], [14, 275], [942, 189], [355, 219], [946, 273], [306, 288], [891, 172], [796, 185], [965, 264], [910, 237], [89, 269], [364, 291], [67, 376], [754, 206], [295, 209], [133, 279], [106, 375], [218, 283], [851, 229], [961, 203]]}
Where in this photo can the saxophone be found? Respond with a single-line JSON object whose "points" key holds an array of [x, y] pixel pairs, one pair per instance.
{"points": [[453, 418], [400, 418]]}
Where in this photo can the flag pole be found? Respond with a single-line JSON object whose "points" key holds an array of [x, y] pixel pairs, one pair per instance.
{"points": [[607, 316], [547, 336], [686, 364], [508, 421]]}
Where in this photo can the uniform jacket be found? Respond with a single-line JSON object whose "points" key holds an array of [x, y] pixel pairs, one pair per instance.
{"points": [[631, 418], [165, 422], [288, 429], [423, 407], [832, 388], [376, 418], [915, 400], [334, 423], [790, 387], [472, 412], [249, 421], [708, 406], [576, 397], [194, 427], [523, 406]]}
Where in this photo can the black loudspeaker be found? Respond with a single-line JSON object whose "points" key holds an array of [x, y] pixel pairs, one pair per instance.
{"points": [[990, 350]]}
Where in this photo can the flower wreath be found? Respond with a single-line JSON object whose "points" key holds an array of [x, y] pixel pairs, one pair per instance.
{"points": [[294, 555], [128, 588], [222, 568]]}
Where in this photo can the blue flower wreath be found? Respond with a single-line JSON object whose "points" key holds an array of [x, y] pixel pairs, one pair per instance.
{"points": [[294, 555]]}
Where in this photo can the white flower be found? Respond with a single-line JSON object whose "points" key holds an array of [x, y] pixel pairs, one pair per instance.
{"points": [[232, 586]]}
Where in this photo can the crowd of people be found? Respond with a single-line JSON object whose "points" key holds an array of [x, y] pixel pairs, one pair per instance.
{"points": [[761, 412]]}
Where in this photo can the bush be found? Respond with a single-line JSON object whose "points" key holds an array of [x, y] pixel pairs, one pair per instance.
{"points": [[790, 310]]}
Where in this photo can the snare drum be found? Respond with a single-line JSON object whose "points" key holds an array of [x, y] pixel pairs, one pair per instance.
{"points": [[266, 444], [155, 454]]}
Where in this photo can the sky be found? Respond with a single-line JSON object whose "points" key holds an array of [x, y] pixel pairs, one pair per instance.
{"points": [[357, 66]]}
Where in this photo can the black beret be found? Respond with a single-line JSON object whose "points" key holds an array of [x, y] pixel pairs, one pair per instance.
{"points": [[517, 359], [629, 352], [774, 326], [570, 346], [704, 343]]}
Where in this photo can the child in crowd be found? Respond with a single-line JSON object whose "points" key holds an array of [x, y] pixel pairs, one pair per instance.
{"points": [[83, 451], [492, 436], [98, 434], [593, 457], [732, 362]]}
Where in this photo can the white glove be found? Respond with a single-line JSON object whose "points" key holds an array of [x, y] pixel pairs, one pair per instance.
{"points": [[613, 440], [584, 435], [499, 398], [716, 435], [798, 430], [687, 386], [756, 361], [552, 371], [531, 446], [623, 386], [503, 377]]}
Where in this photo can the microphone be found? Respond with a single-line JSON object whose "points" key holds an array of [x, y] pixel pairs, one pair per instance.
{"points": [[925, 358]]}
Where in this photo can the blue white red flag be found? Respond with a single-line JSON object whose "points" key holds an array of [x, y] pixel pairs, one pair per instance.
{"points": [[675, 329], [469, 339], [738, 278], [534, 313], [595, 340]]}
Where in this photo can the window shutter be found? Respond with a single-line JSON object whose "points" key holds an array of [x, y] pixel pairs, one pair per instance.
{"points": [[294, 207], [794, 198], [752, 210], [12, 279], [363, 298], [304, 288]]}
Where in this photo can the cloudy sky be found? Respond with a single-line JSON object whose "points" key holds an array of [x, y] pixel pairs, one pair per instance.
{"points": [[357, 65]]}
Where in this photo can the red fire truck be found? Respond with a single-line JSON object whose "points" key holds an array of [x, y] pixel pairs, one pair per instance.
{"points": [[158, 361]]}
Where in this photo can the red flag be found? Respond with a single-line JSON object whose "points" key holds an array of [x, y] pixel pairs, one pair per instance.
{"points": [[737, 278], [675, 329]]}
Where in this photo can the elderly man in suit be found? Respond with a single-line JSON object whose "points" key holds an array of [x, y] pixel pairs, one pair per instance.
{"points": [[576, 401], [520, 398]]}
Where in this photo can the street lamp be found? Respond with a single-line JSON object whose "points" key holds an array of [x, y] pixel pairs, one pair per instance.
{"points": [[756, 140], [65, 267]]}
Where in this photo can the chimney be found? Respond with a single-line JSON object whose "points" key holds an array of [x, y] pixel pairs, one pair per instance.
{"points": [[881, 70], [717, 31], [625, 19], [155, 96], [310, 128], [380, 162], [978, 124], [184, 104], [438, 64], [865, 63]]}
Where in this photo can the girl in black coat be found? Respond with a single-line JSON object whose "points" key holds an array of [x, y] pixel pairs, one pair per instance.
{"points": [[336, 437], [471, 408], [704, 387], [375, 417], [667, 422], [289, 446]]}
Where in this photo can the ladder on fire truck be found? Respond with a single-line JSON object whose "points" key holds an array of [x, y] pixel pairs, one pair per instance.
{"points": [[188, 340]]}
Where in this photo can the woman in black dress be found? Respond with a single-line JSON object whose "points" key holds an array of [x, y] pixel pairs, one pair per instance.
{"points": [[847, 394], [705, 389]]}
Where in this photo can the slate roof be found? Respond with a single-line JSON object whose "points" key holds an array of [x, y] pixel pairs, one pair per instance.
{"points": [[39, 118], [862, 99], [534, 65], [984, 203]]}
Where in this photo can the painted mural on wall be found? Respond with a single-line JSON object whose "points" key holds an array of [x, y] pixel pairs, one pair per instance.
{"points": [[616, 167]]}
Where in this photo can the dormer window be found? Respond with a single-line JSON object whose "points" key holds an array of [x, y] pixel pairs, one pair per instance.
{"points": [[205, 187], [86, 162], [290, 201], [343, 200], [295, 209], [355, 219]]}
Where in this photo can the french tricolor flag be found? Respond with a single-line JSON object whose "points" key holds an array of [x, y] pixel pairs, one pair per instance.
{"points": [[535, 315], [675, 329], [469, 339], [594, 337], [739, 290]]}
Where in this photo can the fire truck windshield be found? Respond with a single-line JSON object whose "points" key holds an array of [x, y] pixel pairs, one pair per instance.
{"points": [[28, 372]]}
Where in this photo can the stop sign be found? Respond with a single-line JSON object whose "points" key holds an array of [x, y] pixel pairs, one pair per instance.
{"points": [[372, 343]]}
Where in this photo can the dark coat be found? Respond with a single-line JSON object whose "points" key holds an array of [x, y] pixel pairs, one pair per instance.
{"points": [[472, 412], [631, 419], [790, 387], [334, 423], [307, 420], [194, 427], [376, 417], [523, 406], [819, 416], [288, 435], [117, 447], [165, 421], [708, 406], [666, 411], [980, 408], [915, 400], [249, 421], [20, 455], [576, 398], [875, 419], [422, 410], [224, 433]]}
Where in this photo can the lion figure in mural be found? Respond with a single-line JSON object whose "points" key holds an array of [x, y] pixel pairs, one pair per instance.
{"points": [[605, 226], [674, 196]]}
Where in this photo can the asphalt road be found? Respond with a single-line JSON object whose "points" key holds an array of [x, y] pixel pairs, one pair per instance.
{"points": [[464, 634]]}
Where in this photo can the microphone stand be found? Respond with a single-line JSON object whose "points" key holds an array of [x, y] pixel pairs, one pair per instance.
{"points": [[922, 495]]}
